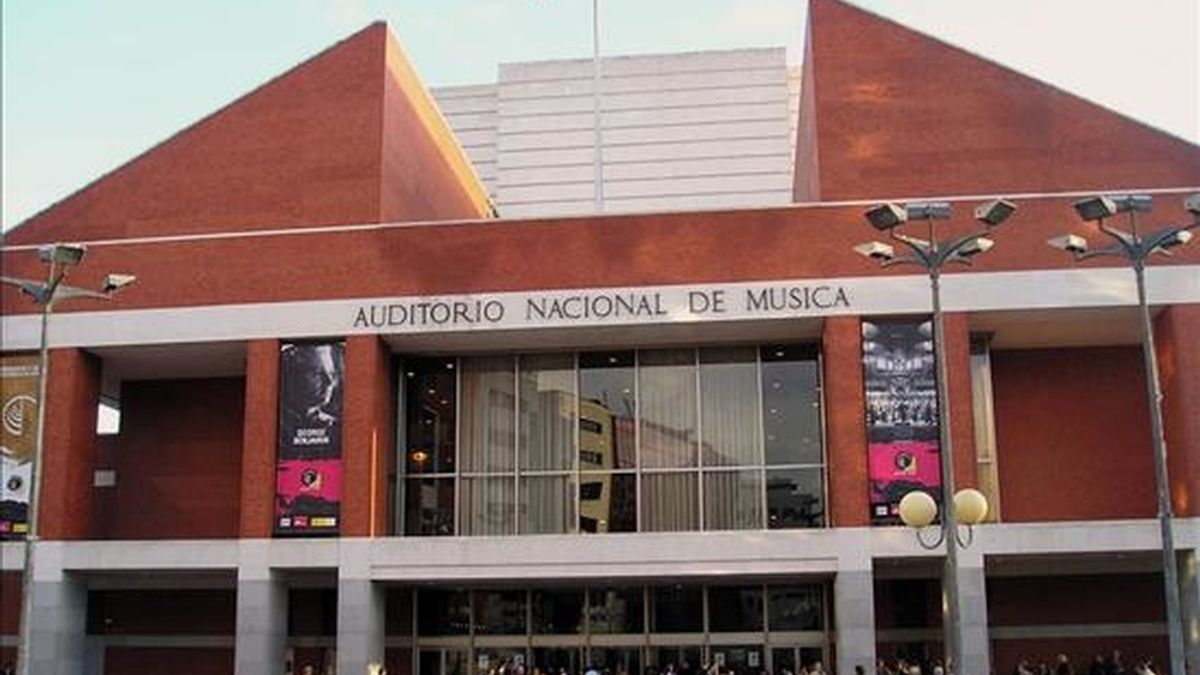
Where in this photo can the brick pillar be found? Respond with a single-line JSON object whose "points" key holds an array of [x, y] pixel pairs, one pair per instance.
{"points": [[845, 422], [962, 413], [1178, 348], [259, 434], [367, 438], [69, 457]]}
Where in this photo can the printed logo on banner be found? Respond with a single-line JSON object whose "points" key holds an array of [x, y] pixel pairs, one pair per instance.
{"points": [[18, 441], [308, 472], [902, 416]]}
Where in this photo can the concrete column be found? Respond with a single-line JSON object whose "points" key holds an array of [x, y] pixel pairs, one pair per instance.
{"points": [[360, 612], [972, 594], [93, 659], [854, 608], [262, 613], [59, 618], [1189, 601]]}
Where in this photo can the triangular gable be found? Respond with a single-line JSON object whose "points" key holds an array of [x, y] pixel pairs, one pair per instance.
{"points": [[305, 149], [898, 114]]}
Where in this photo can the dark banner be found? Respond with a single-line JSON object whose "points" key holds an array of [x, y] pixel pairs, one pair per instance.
{"points": [[18, 391], [308, 474], [902, 416]]}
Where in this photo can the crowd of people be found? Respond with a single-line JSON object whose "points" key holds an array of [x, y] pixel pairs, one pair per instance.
{"points": [[1112, 663]]}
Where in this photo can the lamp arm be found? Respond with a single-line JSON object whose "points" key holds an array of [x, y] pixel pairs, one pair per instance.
{"points": [[1115, 250], [929, 546], [903, 260], [970, 538], [1127, 241], [922, 251], [947, 249]]}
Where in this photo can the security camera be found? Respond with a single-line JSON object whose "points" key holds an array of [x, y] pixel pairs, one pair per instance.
{"points": [[876, 251], [1071, 243], [114, 282]]}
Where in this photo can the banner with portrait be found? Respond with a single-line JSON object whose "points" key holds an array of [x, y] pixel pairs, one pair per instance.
{"points": [[308, 472], [19, 394], [899, 374]]}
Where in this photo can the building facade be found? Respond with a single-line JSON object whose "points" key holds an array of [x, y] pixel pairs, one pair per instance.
{"points": [[362, 419]]}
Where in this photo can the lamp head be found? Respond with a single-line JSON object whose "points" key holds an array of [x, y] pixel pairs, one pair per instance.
{"points": [[1142, 203], [970, 506], [994, 212], [1071, 243], [928, 210], [917, 509], [976, 246], [886, 216], [115, 282], [1179, 238], [1192, 204], [1095, 208], [67, 255], [876, 250]]}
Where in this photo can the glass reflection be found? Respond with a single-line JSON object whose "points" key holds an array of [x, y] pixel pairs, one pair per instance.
{"points": [[670, 502], [667, 408], [791, 404], [606, 410], [795, 607], [547, 504], [429, 506], [500, 612], [488, 414], [547, 409], [735, 608], [615, 610], [557, 611], [430, 415], [733, 500], [488, 505], [795, 498], [443, 612], [729, 407], [677, 609], [607, 502]]}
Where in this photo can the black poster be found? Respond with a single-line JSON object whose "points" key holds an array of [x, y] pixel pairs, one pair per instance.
{"points": [[308, 472], [902, 416]]}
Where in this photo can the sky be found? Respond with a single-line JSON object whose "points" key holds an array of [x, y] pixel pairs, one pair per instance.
{"points": [[87, 85]]}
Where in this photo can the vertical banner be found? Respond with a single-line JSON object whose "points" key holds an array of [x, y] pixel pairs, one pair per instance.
{"points": [[902, 416], [308, 472], [19, 391]]}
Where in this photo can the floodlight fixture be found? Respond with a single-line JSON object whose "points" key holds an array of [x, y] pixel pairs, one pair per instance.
{"points": [[994, 212], [67, 255], [876, 250], [1178, 238], [1071, 243], [928, 210], [1139, 203], [1095, 208], [115, 282], [976, 246], [1192, 204], [886, 216]]}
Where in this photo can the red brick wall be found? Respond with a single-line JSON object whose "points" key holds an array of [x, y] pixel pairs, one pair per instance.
{"points": [[902, 114], [1176, 334], [178, 459], [367, 437], [70, 454], [259, 438], [845, 422], [1072, 434], [781, 243]]}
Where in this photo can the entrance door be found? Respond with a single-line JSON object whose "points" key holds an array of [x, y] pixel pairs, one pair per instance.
{"points": [[797, 659]]}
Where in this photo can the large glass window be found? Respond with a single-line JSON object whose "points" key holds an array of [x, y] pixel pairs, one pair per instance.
{"points": [[677, 609], [661, 440]]}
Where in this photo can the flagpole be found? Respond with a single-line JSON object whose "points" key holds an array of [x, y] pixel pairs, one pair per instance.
{"points": [[597, 154]]}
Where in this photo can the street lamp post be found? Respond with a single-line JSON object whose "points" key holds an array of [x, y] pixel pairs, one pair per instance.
{"points": [[1137, 248], [60, 258], [932, 255]]}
